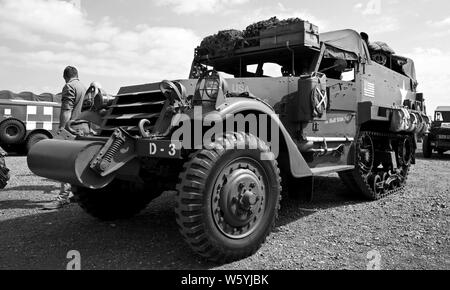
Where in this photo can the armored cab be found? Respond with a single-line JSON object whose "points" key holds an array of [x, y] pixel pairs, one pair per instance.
{"points": [[270, 107], [438, 138]]}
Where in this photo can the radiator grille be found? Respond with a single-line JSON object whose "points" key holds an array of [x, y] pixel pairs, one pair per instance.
{"points": [[130, 108]]}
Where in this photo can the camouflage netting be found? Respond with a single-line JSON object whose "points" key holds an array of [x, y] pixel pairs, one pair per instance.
{"points": [[222, 42], [254, 29], [379, 46], [228, 40]]}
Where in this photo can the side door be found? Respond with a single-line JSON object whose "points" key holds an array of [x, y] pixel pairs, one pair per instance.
{"points": [[342, 92]]}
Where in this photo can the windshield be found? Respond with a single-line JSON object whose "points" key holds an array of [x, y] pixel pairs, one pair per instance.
{"points": [[442, 117], [268, 63]]}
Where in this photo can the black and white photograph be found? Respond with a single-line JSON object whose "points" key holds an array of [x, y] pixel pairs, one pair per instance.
{"points": [[244, 136]]}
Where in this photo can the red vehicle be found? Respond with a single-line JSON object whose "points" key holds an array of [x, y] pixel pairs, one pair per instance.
{"points": [[26, 119]]}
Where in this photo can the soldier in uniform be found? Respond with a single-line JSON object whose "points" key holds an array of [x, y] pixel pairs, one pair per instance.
{"points": [[72, 102]]}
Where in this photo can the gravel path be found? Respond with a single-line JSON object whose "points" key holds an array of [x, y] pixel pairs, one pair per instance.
{"points": [[410, 230]]}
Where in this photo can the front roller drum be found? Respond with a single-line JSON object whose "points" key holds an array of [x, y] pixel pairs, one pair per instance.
{"points": [[68, 162]]}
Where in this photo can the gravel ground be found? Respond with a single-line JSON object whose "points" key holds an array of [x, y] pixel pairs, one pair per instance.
{"points": [[410, 230]]}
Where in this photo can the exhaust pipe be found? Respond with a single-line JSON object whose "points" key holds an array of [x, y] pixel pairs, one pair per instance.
{"points": [[68, 162]]}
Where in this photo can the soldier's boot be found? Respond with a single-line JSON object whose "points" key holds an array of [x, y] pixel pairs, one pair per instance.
{"points": [[62, 200]]}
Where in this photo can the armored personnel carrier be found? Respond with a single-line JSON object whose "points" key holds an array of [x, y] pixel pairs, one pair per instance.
{"points": [[439, 137], [264, 111]]}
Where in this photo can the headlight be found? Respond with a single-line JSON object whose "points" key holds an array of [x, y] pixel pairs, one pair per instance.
{"points": [[212, 87], [102, 101]]}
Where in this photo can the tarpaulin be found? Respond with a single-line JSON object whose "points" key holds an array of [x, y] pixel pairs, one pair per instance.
{"points": [[31, 97], [347, 44]]}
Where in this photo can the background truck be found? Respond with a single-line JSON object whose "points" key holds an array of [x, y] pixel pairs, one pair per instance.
{"points": [[312, 104], [26, 119], [438, 139]]}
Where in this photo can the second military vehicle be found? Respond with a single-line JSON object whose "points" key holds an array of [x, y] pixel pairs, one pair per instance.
{"points": [[275, 106], [439, 137], [26, 119]]}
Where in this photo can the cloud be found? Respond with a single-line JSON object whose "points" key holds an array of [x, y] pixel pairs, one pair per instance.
{"points": [[372, 7], [55, 33], [433, 80], [441, 23], [281, 12], [358, 6], [199, 6], [50, 17], [384, 24]]}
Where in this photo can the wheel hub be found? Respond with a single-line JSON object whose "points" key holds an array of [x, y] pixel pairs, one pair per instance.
{"points": [[12, 131], [239, 197]]}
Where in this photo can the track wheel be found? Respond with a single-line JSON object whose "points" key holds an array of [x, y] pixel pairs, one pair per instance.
{"points": [[405, 151], [228, 198], [378, 187]]}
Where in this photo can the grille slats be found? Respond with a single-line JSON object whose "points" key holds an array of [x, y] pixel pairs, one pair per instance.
{"points": [[130, 108]]}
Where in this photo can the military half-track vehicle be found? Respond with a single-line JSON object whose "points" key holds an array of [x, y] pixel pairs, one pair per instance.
{"points": [[311, 104], [438, 138]]}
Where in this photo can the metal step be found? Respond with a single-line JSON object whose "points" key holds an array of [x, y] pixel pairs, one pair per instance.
{"points": [[331, 169]]}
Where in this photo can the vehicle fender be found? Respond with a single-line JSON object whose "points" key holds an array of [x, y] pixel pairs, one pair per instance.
{"points": [[232, 106]]}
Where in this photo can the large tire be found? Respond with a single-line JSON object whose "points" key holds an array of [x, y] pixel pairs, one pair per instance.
{"points": [[12, 132], [427, 149], [118, 200], [228, 199], [33, 139]]}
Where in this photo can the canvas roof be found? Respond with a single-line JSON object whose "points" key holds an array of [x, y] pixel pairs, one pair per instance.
{"points": [[443, 109], [348, 42]]}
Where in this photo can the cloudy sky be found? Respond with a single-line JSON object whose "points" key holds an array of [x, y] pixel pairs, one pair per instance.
{"points": [[120, 42]]}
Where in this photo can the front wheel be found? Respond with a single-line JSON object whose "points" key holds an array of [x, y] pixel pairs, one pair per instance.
{"points": [[228, 198]]}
